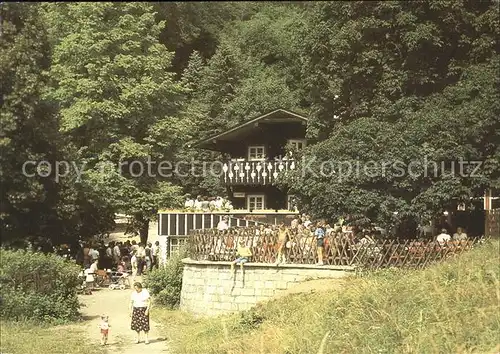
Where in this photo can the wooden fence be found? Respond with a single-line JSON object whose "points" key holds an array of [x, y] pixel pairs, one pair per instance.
{"points": [[214, 245]]}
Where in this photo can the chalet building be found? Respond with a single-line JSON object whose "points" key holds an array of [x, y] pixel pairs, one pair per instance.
{"points": [[256, 154]]}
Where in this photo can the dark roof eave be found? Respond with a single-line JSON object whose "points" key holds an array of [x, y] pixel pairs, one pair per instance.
{"points": [[198, 144]]}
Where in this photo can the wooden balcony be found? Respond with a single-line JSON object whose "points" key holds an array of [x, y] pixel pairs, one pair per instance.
{"points": [[245, 172]]}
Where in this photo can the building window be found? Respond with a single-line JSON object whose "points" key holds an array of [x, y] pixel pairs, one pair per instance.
{"points": [[298, 144], [176, 244], [255, 202], [256, 153]]}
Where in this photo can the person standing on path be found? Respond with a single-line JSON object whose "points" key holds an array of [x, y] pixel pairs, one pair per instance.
{"points": [[141, 259], [155, 254], [140, 303]]}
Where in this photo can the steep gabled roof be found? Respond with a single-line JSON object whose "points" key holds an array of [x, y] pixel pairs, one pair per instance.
{"points": [[278, 113]]}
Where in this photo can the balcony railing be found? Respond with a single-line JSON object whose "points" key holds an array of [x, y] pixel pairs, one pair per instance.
{"points": [[245, 172]]}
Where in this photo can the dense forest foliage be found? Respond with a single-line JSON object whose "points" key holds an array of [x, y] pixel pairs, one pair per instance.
{"points": [[100, 85]]}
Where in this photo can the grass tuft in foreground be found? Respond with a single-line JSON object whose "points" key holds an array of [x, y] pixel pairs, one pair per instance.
{"points": [[451, 307], [20, 338]]}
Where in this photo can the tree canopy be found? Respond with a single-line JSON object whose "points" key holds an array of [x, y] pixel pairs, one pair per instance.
{"points": [[111, 87]]}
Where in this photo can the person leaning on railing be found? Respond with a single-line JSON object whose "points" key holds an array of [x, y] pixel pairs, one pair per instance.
{"points": [[283, 237], [320, 241]]}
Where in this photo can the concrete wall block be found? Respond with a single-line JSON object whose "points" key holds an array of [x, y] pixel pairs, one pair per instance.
{"points": [[241, 299], [247, 275], [269, 284], [259, 284], [260, 299], [290, 277], [211, 289], [248, 292], [234, 306], [214, 283], [268, 292], [282, 285], [244, 306], [249, 284], [236, 291], [200, 288]]}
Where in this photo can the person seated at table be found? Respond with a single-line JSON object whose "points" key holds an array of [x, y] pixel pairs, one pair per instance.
{"points": [[223, 224], [189, 204], [460, 235], [244, 253], [443, 237]]}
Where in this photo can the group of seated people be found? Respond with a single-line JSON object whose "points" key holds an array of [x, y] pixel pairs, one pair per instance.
{"points": [[208, 204], [444, 237]]}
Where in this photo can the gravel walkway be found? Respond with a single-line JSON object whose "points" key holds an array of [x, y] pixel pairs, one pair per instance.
{"points": [[114, 303]]}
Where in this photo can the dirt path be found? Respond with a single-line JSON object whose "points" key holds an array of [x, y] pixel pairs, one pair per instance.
{"points": [[114, 303]]}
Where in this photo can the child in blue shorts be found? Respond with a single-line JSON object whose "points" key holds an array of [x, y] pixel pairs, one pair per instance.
{"points": [[320, 241], [244, 253]]}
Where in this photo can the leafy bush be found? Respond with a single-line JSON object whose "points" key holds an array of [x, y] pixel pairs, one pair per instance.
{"points": [[36, 286], [252, 318], [165, 283]]}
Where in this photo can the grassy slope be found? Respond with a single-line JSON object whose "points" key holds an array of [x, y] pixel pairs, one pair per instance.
{"points": [[451, 307], [16, 338]]}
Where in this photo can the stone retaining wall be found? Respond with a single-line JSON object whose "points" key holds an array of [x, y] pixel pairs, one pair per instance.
{"points": [[209, 289]]}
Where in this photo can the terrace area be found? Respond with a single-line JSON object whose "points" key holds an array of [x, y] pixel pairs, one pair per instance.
{"points": [[339, 249]]}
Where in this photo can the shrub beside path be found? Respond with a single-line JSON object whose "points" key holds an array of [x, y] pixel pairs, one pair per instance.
{"points": [[114, 303]]}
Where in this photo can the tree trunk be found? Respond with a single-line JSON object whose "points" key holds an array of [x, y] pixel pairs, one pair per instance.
{"points": [[141, 224], [144, 231]]}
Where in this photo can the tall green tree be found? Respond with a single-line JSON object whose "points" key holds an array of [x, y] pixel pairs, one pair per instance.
{"points": [[197, 26], [34, 201], [255, 68], [377, 58], [397, 82], [119, 102]]}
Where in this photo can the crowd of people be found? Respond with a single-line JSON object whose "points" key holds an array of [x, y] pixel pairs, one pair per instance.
{"points": [[208, 204], [122, 260], [130, 256], [304, 233]]}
